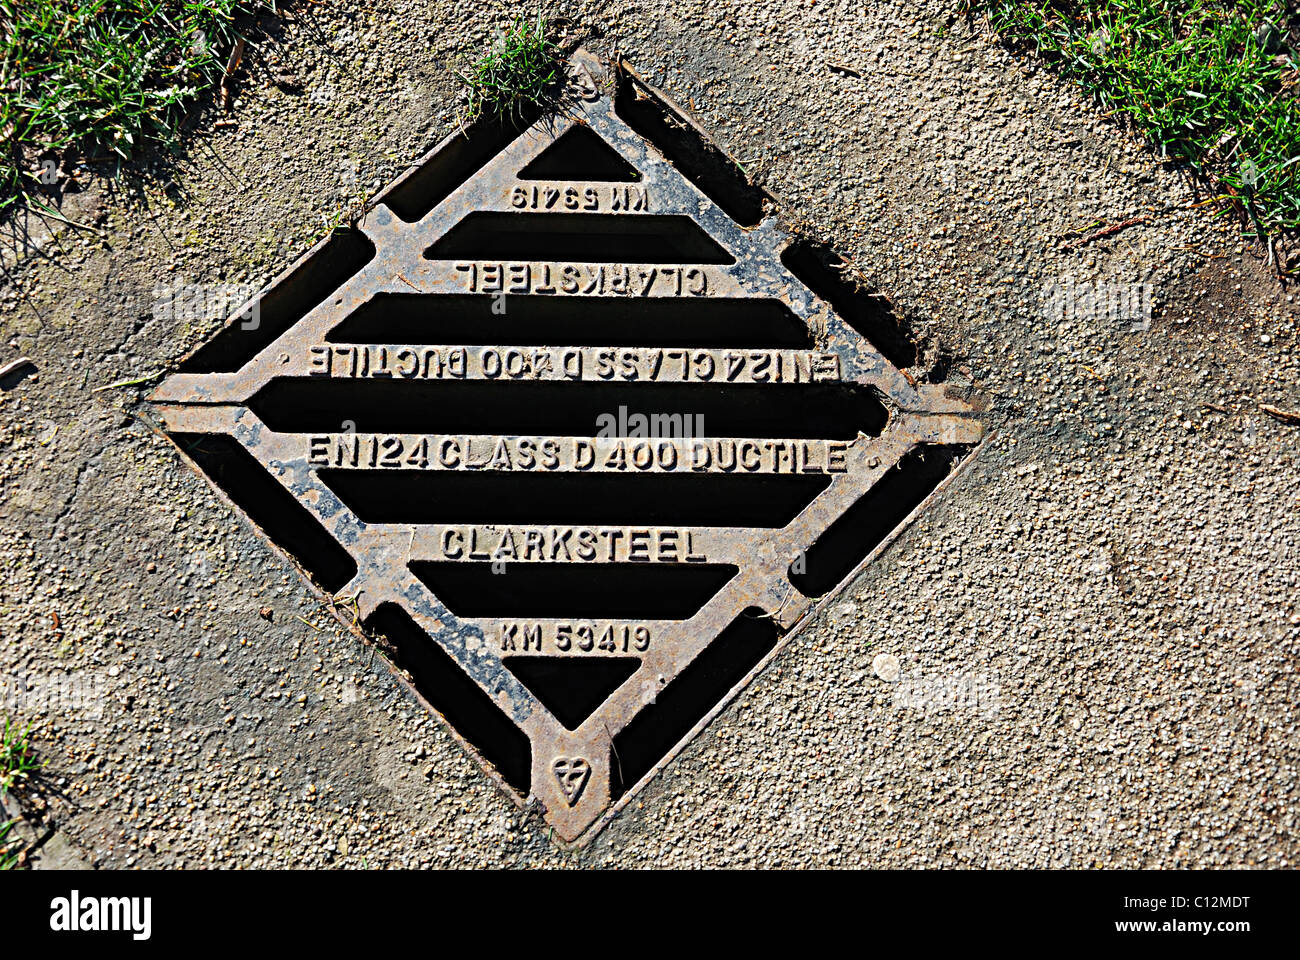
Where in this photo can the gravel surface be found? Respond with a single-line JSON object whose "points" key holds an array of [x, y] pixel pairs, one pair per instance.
{"points": [[1095, 629]]}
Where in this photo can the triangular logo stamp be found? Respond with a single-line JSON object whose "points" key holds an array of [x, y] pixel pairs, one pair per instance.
{"points": [[572, 774]]}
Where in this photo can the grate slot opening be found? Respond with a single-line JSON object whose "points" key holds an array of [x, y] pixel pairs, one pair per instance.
{"points": [[871, 315], [572, 687], [457, 159], [579, 238], [261, 497], [283, 304], [828, 411], [574, 321], [726, 500], [611, 590], [451, 692], [694, 155], [690, 696], [580, 154], [876, 514]]}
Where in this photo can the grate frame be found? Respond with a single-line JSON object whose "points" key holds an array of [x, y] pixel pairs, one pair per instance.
{"points": [[571, 769]]}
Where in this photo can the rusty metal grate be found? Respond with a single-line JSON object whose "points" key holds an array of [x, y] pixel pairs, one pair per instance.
{"points": [[567, 419]]}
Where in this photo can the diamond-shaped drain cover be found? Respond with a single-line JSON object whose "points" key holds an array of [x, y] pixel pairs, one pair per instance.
{"points": [[565, 422]]}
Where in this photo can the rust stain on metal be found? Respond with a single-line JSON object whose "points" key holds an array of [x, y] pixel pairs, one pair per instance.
{"points": [[572, 765]]}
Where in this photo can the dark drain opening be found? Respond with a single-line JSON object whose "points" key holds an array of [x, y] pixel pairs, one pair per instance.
{"points": [[580, 154], [572, 687], [270, 506], [690, 696], [412, 318], [436, 496], [693, 154], [457, 159], [870, 315], [612, 590], [579, 238], [453, 694], [828, 411], [861, 528], [285, 303]]}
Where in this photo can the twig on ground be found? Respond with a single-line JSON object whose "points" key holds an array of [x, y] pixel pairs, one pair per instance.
{"points": [[13, 365], [1277, 413], [843, 70], [1107, 231], [232, 64], [127, 383]]}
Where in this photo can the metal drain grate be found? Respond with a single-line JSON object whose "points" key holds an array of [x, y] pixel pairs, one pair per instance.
{"points": [[566, 417]]}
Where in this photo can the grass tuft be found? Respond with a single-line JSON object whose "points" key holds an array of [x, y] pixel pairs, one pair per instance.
{"points": [[1212, 84], [106, 76], [10, 849], [17, 760], [518, 72]]}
